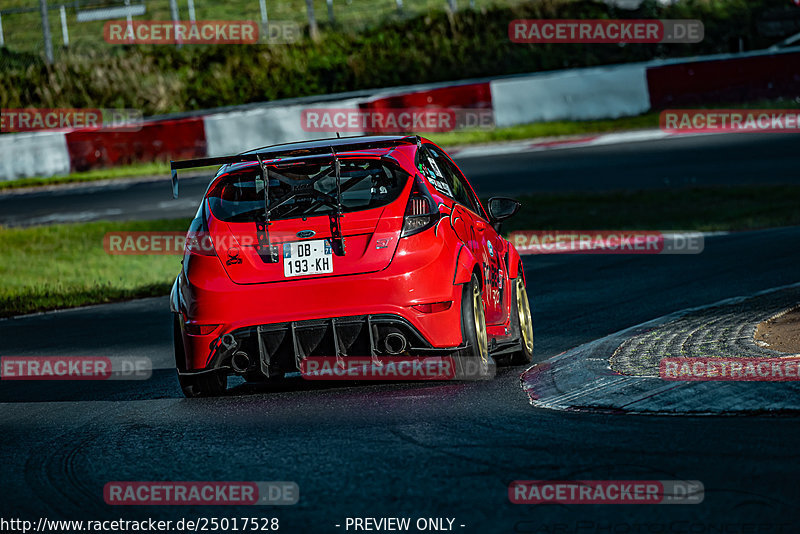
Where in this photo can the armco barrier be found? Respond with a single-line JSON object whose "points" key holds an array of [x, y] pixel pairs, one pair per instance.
{"points": [[577, 94], [580, 94], [460, 96], [25, 155], [233, 132], [178, 139], [468, 95], [729, 80]]}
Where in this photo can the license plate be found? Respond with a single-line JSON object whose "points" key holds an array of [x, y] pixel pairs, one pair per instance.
{"points": [[307, 258]]}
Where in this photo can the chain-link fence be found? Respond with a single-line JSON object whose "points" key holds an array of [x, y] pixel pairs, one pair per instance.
{"points": [[52, 28]]}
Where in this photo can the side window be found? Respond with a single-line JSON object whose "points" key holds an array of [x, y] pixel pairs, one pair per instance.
{"points": [[431, 168], [460, 191]]}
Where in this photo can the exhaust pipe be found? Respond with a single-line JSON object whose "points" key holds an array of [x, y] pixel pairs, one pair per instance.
{"points": [[229, 342], [395, 343], [240, 361]]}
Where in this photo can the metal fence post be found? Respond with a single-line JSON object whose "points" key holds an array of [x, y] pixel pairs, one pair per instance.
{"points": [[191, 10], [48, 39], [64, 29], [2, 39], [330, 12], [264, 17], [173, 9], [313, 29], [129, 22]]}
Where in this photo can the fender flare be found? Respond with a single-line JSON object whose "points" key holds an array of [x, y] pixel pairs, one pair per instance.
{"points": [[513, 263], [174, 303], [465, 266]]}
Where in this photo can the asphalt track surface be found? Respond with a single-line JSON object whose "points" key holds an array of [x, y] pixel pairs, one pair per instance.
{"points": [[411, 450], [675, 162]]}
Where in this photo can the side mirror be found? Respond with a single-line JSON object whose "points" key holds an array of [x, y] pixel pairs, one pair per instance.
{"points": [[501, 208]]}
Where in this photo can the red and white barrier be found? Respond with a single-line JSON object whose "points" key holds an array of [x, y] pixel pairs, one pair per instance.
{"points": [[235, 131], [580, 94], [575, 94], [24, 155]]}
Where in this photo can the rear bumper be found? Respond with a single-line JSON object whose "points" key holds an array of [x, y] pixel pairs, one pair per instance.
{"points": [[421, 272], [280, 347]]}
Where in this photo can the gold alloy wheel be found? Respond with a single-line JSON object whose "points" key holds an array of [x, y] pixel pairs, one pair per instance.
{"points": [[524, 312], [480, 324]]}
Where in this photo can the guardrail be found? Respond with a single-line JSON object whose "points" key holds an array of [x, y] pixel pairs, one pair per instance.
{"points": [[575, 94]]}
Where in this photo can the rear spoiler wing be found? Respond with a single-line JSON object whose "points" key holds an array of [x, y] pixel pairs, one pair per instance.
{"points": [[285, 150], [266, 250]]}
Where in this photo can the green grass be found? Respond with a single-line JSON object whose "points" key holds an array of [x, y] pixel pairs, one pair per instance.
{"points": [[63, 266]]}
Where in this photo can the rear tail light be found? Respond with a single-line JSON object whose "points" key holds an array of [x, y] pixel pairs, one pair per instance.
{"points": [[434, 307], [198, 238], [200, 329], [200, 244], [421, 211]]}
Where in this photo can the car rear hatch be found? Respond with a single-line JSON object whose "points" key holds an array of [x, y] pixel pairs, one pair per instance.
{"points": [[300, 241]]}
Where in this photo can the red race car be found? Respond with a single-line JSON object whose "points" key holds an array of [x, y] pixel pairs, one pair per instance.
{"points": [[370, 246]]}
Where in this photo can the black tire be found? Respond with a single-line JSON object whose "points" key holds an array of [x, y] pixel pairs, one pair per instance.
{"points": [[522, 329], [474, 362], [203, 385], [257, 377]]}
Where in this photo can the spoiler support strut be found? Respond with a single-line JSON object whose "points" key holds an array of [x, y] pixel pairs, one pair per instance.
{"points": [[265, 248], [337, 240]]}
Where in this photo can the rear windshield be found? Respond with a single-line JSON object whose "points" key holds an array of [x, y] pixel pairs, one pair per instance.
{"points": [[365, 184]]}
